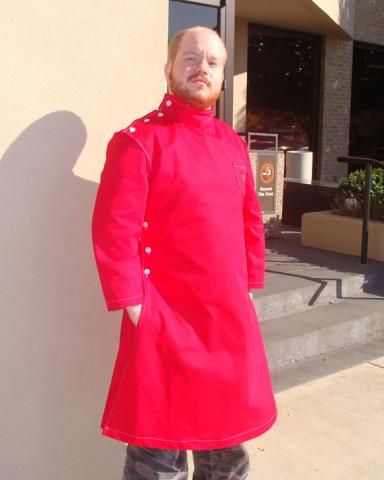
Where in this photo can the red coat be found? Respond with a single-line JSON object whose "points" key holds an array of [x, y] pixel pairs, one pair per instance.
{"points": [[177, 227]]}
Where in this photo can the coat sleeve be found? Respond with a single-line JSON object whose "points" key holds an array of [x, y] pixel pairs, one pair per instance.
{"points": [[117, 221], [253, 230]]}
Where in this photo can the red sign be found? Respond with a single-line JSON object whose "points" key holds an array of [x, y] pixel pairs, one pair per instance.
{"points": [[267, 173]]}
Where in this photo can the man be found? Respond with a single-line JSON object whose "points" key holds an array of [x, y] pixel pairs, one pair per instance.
{"points": [[178, 240]]}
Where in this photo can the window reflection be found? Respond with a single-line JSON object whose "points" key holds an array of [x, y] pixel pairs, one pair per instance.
{"points": [[282, 91], [184, 15]]}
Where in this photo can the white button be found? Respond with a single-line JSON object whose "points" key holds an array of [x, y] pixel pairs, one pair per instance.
{"points": [[160, 114], [148, 249], [145, 224], [147, 271], [146, 120], [168, 103], [132, 129]]}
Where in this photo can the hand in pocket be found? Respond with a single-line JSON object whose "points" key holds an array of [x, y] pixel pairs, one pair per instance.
{"points": [[134, 312]]}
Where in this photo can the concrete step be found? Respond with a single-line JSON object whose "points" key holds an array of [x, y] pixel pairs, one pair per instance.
{"points": [[304, 371], [310, 286], [298, 277], [323, 328]]}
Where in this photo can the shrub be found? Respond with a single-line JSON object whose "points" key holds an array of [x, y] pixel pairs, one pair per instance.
{"points": [[350, 197]]}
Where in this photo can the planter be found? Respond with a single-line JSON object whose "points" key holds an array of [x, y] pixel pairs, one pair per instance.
{"points": [[342, 234]]}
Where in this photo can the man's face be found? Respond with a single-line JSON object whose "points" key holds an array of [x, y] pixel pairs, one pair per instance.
{"points": [[197, 72]]}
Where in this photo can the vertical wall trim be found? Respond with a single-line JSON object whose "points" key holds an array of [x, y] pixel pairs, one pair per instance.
{"points": [[228, 35]]}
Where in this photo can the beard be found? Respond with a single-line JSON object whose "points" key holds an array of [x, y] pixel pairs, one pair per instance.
{"points": [[200, 96]]}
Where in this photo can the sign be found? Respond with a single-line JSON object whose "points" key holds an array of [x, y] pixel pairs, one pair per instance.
{"points": [[266, 180]]}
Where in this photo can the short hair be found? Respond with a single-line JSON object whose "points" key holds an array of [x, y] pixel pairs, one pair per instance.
{"points": [[174, 44]]}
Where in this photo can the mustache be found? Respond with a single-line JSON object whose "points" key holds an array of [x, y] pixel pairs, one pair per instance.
{"points": [[199, 77]]}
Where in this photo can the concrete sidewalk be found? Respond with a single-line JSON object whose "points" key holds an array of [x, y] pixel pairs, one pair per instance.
{"points": [[330, 428]]}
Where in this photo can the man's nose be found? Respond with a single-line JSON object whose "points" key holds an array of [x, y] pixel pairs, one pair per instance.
{"points": [[202, 65]]}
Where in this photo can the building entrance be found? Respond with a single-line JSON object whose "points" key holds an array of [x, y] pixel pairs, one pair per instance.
{"points": [[283, 86]]}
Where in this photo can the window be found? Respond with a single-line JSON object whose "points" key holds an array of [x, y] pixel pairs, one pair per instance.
{"points": [[184, 15], [367, 104], [282, 90]]}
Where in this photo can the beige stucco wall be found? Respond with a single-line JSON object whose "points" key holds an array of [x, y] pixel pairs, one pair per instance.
{"points": [[240, 77], [72, 74]]}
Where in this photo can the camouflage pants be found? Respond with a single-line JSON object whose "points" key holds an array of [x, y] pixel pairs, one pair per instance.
{"points": [[144, 463]]}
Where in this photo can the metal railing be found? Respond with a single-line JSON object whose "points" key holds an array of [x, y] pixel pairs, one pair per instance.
{"points": [[368, 163]]}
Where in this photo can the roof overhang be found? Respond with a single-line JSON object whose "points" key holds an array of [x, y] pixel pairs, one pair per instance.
{"points": [[322, 17]]}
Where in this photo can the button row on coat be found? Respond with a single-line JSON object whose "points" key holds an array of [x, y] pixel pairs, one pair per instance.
{"points": [[147, 250], [168, 103]]}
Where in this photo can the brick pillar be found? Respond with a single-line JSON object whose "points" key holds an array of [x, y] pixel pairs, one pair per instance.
{"points": [[335, 106]]}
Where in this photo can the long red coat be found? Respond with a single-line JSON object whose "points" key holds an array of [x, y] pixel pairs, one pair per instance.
{"points": [[177, 227]]}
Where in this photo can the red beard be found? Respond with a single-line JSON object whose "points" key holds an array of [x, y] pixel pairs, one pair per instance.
{"points": [[194, 97]]}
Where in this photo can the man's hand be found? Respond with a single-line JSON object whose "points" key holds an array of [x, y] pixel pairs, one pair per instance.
{"points": [[134, 312]]}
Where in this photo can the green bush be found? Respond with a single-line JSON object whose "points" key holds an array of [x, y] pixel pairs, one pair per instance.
{"points": [[350, 197]]}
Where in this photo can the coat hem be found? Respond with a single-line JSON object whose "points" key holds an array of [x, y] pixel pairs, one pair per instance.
{"points": [[194, 444]]}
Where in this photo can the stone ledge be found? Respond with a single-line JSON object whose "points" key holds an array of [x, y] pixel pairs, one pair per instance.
{"points": [[342, 234]]}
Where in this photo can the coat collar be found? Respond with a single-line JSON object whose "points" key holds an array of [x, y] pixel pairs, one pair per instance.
{"points": [[183, 111]]}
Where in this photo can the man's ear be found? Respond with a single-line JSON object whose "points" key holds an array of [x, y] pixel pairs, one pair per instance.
{"points": [[167, 73], [167, 70]]}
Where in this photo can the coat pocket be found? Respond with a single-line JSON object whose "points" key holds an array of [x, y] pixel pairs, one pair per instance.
{"points": [[240, 175]]}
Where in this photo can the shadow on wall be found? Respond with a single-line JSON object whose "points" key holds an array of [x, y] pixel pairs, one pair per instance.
{"points": [[56, 350]]}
